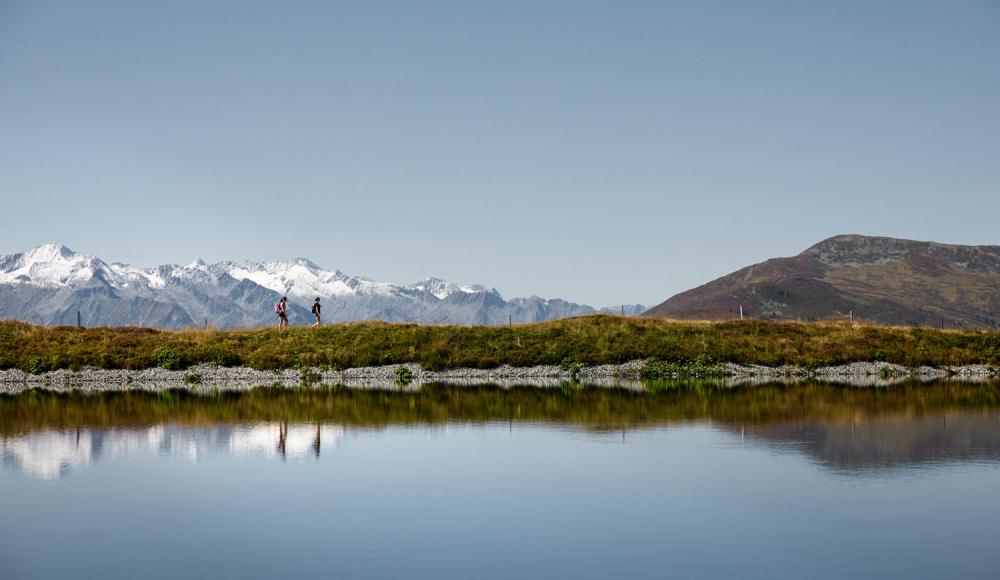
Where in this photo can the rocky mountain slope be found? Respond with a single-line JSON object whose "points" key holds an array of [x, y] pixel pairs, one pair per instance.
{"points": [[885, 280], [50, 283]]}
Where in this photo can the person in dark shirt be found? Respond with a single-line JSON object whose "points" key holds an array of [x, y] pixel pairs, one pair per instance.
{"points": [[315, 310]]}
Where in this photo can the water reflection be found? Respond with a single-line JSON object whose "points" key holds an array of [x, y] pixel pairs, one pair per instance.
{"points": [[847, 430], [857, 447], [53, 454], [892, 442], [804, 481]]}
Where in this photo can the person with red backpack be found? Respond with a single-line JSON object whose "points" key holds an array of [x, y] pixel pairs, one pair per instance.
{"points": [[281, 309]]}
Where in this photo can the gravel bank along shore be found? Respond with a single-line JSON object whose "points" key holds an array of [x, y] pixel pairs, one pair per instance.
{"points": [[618, 376]]}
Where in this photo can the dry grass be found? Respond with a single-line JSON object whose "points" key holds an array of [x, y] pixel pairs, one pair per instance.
{"points": [[589, 340]]}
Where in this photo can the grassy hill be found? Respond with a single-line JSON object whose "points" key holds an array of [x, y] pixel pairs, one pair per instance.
{"points": [[589, 340], [883, 280]]}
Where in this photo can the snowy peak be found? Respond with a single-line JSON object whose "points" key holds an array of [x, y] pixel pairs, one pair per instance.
{"points": [[51, 265], [51, 252], [299, 278], [442, 289], [306, 263]]}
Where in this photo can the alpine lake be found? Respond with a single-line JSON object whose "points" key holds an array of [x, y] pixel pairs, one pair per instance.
{"points": [[688, 480]]}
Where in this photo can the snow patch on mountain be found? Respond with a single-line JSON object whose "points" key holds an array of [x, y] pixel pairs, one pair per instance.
{"points": [[131, 275], [442, 289], [303, 279]]}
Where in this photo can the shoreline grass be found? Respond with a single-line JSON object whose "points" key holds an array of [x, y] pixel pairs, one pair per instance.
{"points": [[586, 340]]}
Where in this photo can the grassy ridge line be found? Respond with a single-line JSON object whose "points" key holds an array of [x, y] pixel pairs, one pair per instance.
{"points": [[588, 340]]}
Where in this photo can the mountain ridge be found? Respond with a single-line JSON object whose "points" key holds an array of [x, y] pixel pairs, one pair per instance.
{"points": [[876, 278], [50, 283]]}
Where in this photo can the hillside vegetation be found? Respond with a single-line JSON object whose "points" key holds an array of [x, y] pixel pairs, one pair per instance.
{"points": [[883, 280], [588, 340]]}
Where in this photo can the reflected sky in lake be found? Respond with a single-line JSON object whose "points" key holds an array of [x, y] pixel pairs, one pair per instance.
{"points": [[885, 494]]}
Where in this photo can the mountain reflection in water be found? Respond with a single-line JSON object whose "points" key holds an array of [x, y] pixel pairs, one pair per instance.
{"points": [[51, 454], [847, 430], [890, 442]]}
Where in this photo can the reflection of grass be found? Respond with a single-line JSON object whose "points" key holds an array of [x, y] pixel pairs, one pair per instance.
{"points": [[686, 384], [404, 376], [589, 408], [579, 341], [308, 377]]}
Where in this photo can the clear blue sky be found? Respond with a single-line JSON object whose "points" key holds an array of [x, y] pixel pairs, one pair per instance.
{"points": [[603, 152]]}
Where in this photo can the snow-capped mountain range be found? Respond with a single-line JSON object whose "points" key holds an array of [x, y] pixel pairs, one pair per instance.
{"points": [[50, 283]]}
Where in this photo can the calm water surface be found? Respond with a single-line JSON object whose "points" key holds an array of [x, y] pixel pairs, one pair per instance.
{"points": [[764, 482]]}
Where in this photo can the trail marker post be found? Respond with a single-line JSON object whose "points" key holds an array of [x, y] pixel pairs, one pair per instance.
{"points": [[79, 322], [741, 312]]}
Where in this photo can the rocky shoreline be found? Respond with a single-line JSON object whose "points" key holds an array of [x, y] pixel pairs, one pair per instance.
{"points": [[627, 376]]}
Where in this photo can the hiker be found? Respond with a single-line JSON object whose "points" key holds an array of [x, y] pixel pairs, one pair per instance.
{"points": [[281, 308], [315, 310]]}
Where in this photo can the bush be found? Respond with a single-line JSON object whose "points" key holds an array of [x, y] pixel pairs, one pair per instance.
{"points": [[572, 367], [701, 367], [36, 366], [168, 359], [990, 346]]}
